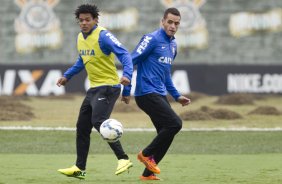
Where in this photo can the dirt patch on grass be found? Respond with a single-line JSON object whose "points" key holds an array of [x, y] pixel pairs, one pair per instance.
{"points": [[266, 110], [195, 115], [12, 109], [207, 113], [225, 114], [236, 99]]}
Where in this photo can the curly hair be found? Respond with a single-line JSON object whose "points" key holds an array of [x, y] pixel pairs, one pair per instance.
{"points": [[87, 8]]}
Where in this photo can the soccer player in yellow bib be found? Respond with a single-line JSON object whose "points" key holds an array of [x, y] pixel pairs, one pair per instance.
{"points": [[96, 47]]}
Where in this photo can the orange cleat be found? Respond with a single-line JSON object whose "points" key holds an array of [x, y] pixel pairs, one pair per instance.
{"points": [[149, 162], [151, 177]]}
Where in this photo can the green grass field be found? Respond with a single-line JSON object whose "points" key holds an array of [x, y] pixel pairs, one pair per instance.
{"points": [[201, 157], [194, 157], [176, 169]]}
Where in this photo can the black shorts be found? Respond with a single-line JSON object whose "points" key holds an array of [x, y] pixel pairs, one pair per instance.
{"points": [[159, 110], [97, 106]]}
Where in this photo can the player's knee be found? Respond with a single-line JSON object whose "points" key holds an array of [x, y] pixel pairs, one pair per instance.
{"points": [[178, 124]]}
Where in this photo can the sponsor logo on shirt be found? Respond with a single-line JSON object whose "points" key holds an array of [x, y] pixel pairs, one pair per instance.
{"points": [[143, 44], [165, 60], [114, 39], [87, 52]]}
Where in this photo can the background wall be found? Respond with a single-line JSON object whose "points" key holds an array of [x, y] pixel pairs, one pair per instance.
{"points": [[130, 19]]}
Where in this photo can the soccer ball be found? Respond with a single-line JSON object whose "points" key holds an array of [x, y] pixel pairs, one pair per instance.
{"points": [[111, 130]]}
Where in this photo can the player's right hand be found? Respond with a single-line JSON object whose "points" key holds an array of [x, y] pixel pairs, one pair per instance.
{"points": [[184, 100], [62, 81], [125, 99]]}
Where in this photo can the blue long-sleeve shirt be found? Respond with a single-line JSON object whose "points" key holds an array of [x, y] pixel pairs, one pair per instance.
{"points": [[107, 44], [154, 56]]}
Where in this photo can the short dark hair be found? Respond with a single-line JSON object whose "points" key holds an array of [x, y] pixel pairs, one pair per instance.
{"points": [[173, 11], [87, 8]]}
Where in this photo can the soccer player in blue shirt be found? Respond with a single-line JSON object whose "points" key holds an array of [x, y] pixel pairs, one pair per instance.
{"points": [[154, 56], [96, 47]]}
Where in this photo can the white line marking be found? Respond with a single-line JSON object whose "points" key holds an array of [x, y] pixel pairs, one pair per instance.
{"points": [[241, 129]]}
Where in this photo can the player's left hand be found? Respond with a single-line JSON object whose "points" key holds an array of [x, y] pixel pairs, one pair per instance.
{"points": [[184, 100], [124, 81], [125, 99]]}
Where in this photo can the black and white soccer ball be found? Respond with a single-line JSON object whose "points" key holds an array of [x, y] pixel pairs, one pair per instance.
{"points": [[111, 130]]}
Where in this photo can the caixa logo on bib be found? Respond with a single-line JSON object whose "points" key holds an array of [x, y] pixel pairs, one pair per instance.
{"points": [[37, 26]]}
